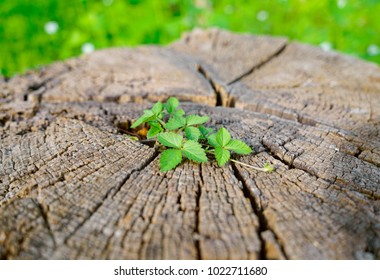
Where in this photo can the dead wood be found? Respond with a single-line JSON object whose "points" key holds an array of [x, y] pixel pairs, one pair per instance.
{"points": [[72, 186]]}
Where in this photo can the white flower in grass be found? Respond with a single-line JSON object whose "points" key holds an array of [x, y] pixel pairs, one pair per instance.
{"points": [[88, 48], [373, 50], [107, 2], [51, 27], [202, 4], [262, 15], [341, 4], [326, 46]]}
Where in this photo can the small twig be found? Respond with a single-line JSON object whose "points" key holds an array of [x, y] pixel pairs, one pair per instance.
{"points": [[161, 122], [265, 169], [128, 132]]}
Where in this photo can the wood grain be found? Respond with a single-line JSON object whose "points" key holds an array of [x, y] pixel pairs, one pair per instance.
{"points": [[72, 186]]}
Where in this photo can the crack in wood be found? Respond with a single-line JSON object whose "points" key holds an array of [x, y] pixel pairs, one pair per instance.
{"points": [[218, 95], [222, 96], [269, 150], [263, 224], [335, 131], [371, 195], [368, 194], [44, 215], [261, 64], [26, 191], [359, 152], [112, 192], [197, 216], [39, 88], [145, 242]]}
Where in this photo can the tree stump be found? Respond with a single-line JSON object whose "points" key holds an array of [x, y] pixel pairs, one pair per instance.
{"points": [[72, 186]]}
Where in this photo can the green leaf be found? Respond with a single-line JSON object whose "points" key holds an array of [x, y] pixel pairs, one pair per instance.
{"points": [[268, 167], [223, 137], [155, 128], [147, 116], [192, 133], [205, 130], [133, 138], [170, 139], [175, 123], [161, 115], [195, 119], [171, 104], [170, 159], [238, 147], [222, 155], [194, 151], [212, 140], [179, 113], [157, 108]]}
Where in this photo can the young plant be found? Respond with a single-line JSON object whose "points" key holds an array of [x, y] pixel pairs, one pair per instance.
{"points": [[182, 136]]}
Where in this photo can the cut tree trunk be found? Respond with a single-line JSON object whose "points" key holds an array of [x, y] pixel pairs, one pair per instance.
{"points": [[72, 186]]}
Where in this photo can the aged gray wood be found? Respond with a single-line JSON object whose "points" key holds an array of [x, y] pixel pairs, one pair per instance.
{"points": [[73, 187]]}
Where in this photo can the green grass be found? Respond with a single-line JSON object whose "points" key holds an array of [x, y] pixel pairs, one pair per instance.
{"points": [[352, 28]]}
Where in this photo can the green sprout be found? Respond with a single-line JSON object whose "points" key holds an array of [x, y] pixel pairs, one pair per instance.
{"points": [[180, 136]]}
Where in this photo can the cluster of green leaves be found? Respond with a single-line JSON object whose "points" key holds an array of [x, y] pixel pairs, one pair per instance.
{"points": [[186, 136]]}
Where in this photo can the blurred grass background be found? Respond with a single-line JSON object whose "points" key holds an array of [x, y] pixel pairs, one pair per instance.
{"points": [[34, 33]]}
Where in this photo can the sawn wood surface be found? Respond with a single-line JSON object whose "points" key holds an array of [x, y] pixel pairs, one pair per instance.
{"points": [[72, 186]]}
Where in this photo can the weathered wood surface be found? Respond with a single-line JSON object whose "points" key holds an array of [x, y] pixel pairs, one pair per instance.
{"points": [[72, 187]]}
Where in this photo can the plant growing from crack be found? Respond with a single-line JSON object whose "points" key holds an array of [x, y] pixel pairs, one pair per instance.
{"points": [[182, 136]]}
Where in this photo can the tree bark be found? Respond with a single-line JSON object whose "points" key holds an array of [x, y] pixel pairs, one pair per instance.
{"points": [[72, 186]]}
